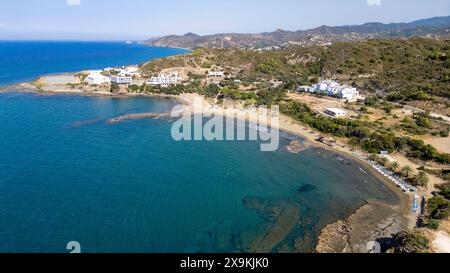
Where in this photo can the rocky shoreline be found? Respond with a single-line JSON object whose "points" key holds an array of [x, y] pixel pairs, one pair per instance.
{"points": [[371, 223]]}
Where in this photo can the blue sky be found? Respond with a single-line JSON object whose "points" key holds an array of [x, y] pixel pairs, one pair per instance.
{"points": [[140, 19]]}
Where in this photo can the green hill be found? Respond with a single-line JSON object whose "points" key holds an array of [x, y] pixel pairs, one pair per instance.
{"points": [[398, 69]]}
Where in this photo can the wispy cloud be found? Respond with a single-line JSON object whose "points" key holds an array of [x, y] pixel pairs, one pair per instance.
{"points": [[374, 2], [73, 2]]}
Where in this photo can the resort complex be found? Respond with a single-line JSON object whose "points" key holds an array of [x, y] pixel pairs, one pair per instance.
{"points": [[334, 89], [165, 80], [130, 75]]}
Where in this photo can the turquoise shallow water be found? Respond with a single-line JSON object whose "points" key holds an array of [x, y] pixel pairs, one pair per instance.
{"points": [[66, 174]]}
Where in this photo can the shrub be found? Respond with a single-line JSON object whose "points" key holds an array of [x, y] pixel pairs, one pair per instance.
{"points": [[438, 208], [410, 242], [115, 88], [433, 224]]}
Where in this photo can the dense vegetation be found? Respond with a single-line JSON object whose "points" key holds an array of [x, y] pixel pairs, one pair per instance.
{"points": [[422, 124], [363, 134], [401, 70], [410, 242], [437, 207]]}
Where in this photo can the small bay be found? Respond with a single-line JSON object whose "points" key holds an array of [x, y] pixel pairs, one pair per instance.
{"points": [[67, 174]]}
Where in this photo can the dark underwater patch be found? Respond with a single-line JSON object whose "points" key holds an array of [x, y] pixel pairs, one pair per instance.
{"points": [[306, 188]]}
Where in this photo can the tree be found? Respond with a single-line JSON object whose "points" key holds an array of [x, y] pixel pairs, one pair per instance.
{"points": [[384, 161], [445, 190], [394, 166], [115, 88], [406, 170], [373, 157], [134, 88], [438, 207], [422, 179], [433, 224], [371, 101], [211, 91], [410, 242]]}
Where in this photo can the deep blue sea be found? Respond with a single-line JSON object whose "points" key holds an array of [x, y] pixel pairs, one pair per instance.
{"points": [[66, 174], [24, 61]]}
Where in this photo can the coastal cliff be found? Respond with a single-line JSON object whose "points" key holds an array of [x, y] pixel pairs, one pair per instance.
{"points": [[372, 222]]}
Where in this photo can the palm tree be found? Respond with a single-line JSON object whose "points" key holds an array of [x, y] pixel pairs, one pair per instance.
{"points": [[422, 179], [406, 171], [384, 161], [373, 157], [394, 166]]}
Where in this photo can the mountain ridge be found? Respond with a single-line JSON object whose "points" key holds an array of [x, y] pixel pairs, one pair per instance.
{"points": [[435, 26]]}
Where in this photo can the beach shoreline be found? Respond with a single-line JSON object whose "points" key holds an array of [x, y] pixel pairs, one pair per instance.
{"points": [[400, 214], [401, 211]]}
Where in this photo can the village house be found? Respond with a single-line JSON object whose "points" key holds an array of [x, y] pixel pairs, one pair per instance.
{"points": [[131, 70], [121, 79], [275, 83], [96, 78], [165, 80], [335, 112], [216, 74], [128, 71]]}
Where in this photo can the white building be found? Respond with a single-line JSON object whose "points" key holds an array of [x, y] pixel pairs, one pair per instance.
{"points": [[276, 84], [216, 74], [95, 77], [165, 80], [121, 79], [349, 94], [131, 70], [332, 88], [304, 88], [123, 71], [335, 112]]}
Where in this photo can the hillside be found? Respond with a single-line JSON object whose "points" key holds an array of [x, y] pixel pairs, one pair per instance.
{"points": [[437, 27], [403, 70]]}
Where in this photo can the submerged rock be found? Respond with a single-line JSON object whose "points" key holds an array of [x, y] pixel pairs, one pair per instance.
{"points": [[253, 203], [343, 161], [280, 218], [223, 237], [217, 238], [306, 188], [138, 116], [297, 146], [278, 231], [81, 123]]}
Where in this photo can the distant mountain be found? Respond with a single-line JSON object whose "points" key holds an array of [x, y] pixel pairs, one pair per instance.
{"points": [[437, 27], [432, 22]]}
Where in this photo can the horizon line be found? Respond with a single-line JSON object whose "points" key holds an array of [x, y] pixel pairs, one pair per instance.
{"points": [[202, 34]]}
